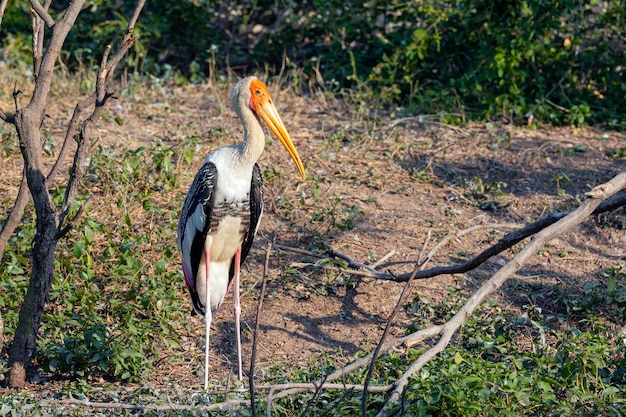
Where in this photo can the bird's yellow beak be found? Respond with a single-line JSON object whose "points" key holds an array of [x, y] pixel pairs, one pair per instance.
{"points": [[264, 107]]}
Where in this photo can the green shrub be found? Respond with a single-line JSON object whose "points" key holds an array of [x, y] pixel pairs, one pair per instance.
{"points": [[559, 62]]}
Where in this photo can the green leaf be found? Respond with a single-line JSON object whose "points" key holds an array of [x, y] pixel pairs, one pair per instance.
{"points": [[79, 249], [88, 232]]}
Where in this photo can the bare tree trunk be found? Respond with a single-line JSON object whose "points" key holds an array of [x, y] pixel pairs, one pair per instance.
{"points": [[52, 221], [24, 344], [23, 347]]}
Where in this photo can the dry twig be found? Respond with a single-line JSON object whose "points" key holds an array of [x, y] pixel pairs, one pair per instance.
{"points": [[421, 262], [268, 250]]}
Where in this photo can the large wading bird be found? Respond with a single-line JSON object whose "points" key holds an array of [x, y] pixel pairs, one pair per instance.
{"points": [[223, 207]]}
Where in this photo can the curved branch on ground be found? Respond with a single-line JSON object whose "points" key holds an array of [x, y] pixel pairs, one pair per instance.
{"points": [[564, 224], [228, 405], [508, 241]]}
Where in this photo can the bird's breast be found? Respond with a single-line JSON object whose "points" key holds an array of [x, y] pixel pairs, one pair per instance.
{"points": [[229, 222]]}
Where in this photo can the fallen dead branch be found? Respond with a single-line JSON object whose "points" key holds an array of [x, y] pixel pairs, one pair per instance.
{"points": [[508, 241], [228, 405], [276, 391], [545, 229], [564, 224]]}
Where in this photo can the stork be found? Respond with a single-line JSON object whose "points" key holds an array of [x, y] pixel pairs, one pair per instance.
{"points": [[223, 207]]}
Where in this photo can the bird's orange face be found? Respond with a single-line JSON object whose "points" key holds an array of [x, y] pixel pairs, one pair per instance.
{"points": [[261, 103]]}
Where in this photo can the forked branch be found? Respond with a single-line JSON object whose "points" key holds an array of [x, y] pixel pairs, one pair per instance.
{"points": [[42, 12]]}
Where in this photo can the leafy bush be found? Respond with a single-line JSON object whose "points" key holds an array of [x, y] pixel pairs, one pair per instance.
{"points": [[94, 351], [560, 62]]}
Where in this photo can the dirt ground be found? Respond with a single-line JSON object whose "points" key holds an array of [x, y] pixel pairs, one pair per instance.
{"points": [[377, 187]]}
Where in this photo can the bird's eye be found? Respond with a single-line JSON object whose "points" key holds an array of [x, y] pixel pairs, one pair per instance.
{"points": [[257, 92]]}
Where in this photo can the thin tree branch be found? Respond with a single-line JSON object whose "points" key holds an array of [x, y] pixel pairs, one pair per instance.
{"points": [[268, 250], [564, 224], [335, 254], [383, 259], [312, 403], [3, 6], [405, 290], [370, 271], [70, 224], [351, 271], [6, 117], [291, 389], [333, 405], [128, 38], [107, 67], [72, 130], [38, 36], [313, 386], [101, 97], [80, 161], [15, 215], [16, 96], [228, 405], [299, 251], [127, 41], [61, 29], [370, 370], [42, 12]]}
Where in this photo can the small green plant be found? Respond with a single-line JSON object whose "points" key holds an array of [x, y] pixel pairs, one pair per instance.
{"points": [[559, 179], [83, 351], [485, 195], [617, 153]]}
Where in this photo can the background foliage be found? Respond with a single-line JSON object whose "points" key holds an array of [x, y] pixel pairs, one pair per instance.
{"points": [[558, 62]]}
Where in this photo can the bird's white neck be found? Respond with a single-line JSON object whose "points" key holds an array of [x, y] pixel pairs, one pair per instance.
{"points": [[253, 139]]}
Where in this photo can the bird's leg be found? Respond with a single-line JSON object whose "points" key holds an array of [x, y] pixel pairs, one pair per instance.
{"points": [[237, 308], [208, 316]]}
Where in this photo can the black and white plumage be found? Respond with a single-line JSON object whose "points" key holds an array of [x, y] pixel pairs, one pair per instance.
{"points": [[223, 208]]}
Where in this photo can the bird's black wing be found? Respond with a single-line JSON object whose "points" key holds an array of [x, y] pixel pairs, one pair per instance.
{"points": [[194, 225], [256, 211]]}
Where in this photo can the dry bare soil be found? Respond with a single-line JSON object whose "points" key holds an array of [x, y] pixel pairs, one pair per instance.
{"points": [[377, 186]]}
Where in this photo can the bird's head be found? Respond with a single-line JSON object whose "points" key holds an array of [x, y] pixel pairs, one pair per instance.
{"points": [[253, 94]]}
